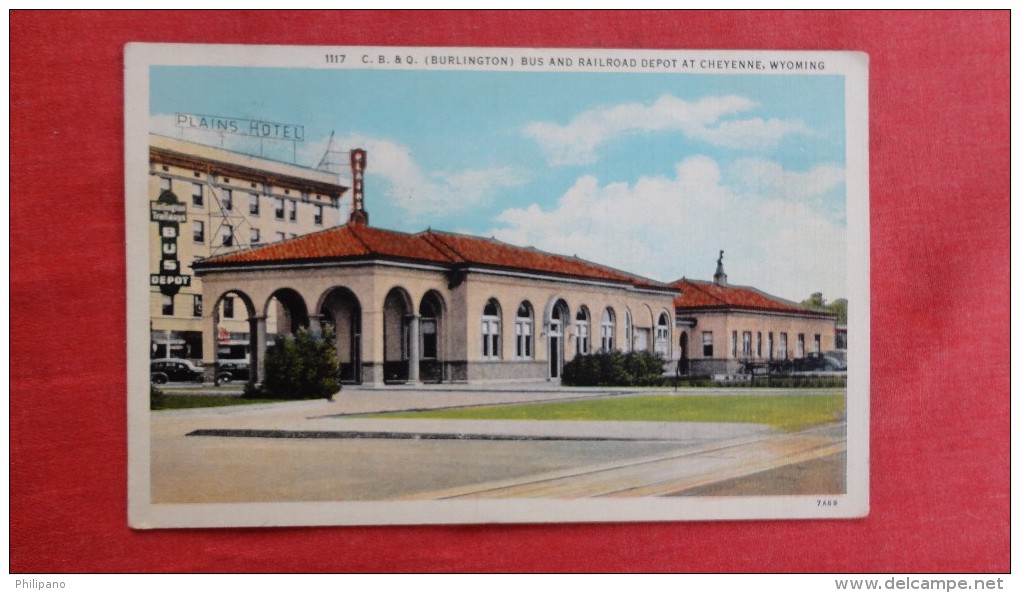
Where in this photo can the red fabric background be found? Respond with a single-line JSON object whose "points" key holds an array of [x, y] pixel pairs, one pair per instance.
{"points": [[940, 303]]}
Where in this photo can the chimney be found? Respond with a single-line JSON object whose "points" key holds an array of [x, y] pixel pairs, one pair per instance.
{"points": [[359, 159], [720, 275]]}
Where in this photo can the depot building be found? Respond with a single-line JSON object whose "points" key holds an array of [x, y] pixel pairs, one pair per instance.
{"points": [[434, 306]]}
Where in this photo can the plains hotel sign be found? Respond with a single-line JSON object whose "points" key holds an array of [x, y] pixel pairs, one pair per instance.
{"points": [[240, 126]]}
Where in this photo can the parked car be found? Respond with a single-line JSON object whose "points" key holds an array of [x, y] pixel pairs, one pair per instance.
{"points": [[174, 369], [232, 370], [816, 361]]}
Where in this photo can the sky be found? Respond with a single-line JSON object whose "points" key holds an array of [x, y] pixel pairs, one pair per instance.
{"points": [[653, 173]]}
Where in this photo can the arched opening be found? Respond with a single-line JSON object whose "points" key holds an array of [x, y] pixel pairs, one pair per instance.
{"points": [[685, 364], [662, 335], [430, 336], [607, 330], [236, 355], [582, 332], [492, 330], [557, 318], [397, 311], [342, 311], [285, 314]]}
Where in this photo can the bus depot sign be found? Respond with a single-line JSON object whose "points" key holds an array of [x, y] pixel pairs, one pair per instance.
{"points": [[241, 127], [169, 213]]}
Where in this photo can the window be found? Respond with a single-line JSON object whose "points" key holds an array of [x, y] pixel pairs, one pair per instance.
{"points": [[168, 304], [818, 343], [253, 204], [582, 329], [279, 208], [228, 307], [490, 330], [706, 345], [227, 200], [607, 331], [758, 348], [198, 231], [280, 236], [772, 353], [628, 331], [196, 305], [293, 211], [227, 232], [164, 184], [800, 345], [318, 214], [256, 236], [783, 352], [662, 335], [524, 328], [733, 345], [196, 195], [745, 349]]}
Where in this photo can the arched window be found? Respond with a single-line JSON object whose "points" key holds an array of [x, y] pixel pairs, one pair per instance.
{"points": [[490, 330], [524, 330], [607, 331], [628, 331], [582, 327], [662, 335]]}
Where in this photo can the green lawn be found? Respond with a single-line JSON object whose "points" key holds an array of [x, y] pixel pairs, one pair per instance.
{"points": [[180, 402], [783, 412]]}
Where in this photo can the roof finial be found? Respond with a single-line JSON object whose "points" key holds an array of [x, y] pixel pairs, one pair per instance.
{"points": [[720, 275]]}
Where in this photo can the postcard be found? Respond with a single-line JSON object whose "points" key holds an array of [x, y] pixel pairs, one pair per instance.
{"points": [[406, 285]]}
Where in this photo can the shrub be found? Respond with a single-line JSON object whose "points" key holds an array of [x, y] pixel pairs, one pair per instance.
{"points": [[301, 367], [614, 369]]}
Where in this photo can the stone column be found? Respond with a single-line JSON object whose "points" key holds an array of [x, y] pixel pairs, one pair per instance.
{"points": [[414, 356], [210, 322], [258, 349]]}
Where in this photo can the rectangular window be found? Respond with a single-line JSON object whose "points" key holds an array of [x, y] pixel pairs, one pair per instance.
{"points": [[293, 211], [228, 307], [253, 204], [746, 346], [228, 235], [771, 347], [733, 345], [758, 349], [168, 304], [818, 343], [707, 350], [227, 200], [164, 184], [256, 236], [318, 214], [784, 353], [196, 195], [800, 345], [198, 231], [279, 208], [280, 236], [196, 305]]}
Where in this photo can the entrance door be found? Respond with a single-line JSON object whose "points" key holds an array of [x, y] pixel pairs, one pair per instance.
{"points": [[555, 349], [641, 340]]}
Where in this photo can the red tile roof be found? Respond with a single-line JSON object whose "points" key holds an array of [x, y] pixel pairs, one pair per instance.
{"points": [[702, 294], [353, 242]]}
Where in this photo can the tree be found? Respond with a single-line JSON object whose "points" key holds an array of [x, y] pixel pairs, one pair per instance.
{"points": [[302, 367], [837, 307]]}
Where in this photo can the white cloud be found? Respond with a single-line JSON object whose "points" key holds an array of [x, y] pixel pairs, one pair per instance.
{"points": [[668, 227], [769, 178], [577, 142], [412, 188]]}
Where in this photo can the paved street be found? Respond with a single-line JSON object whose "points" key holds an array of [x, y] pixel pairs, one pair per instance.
{"points": [[317, 451]]}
